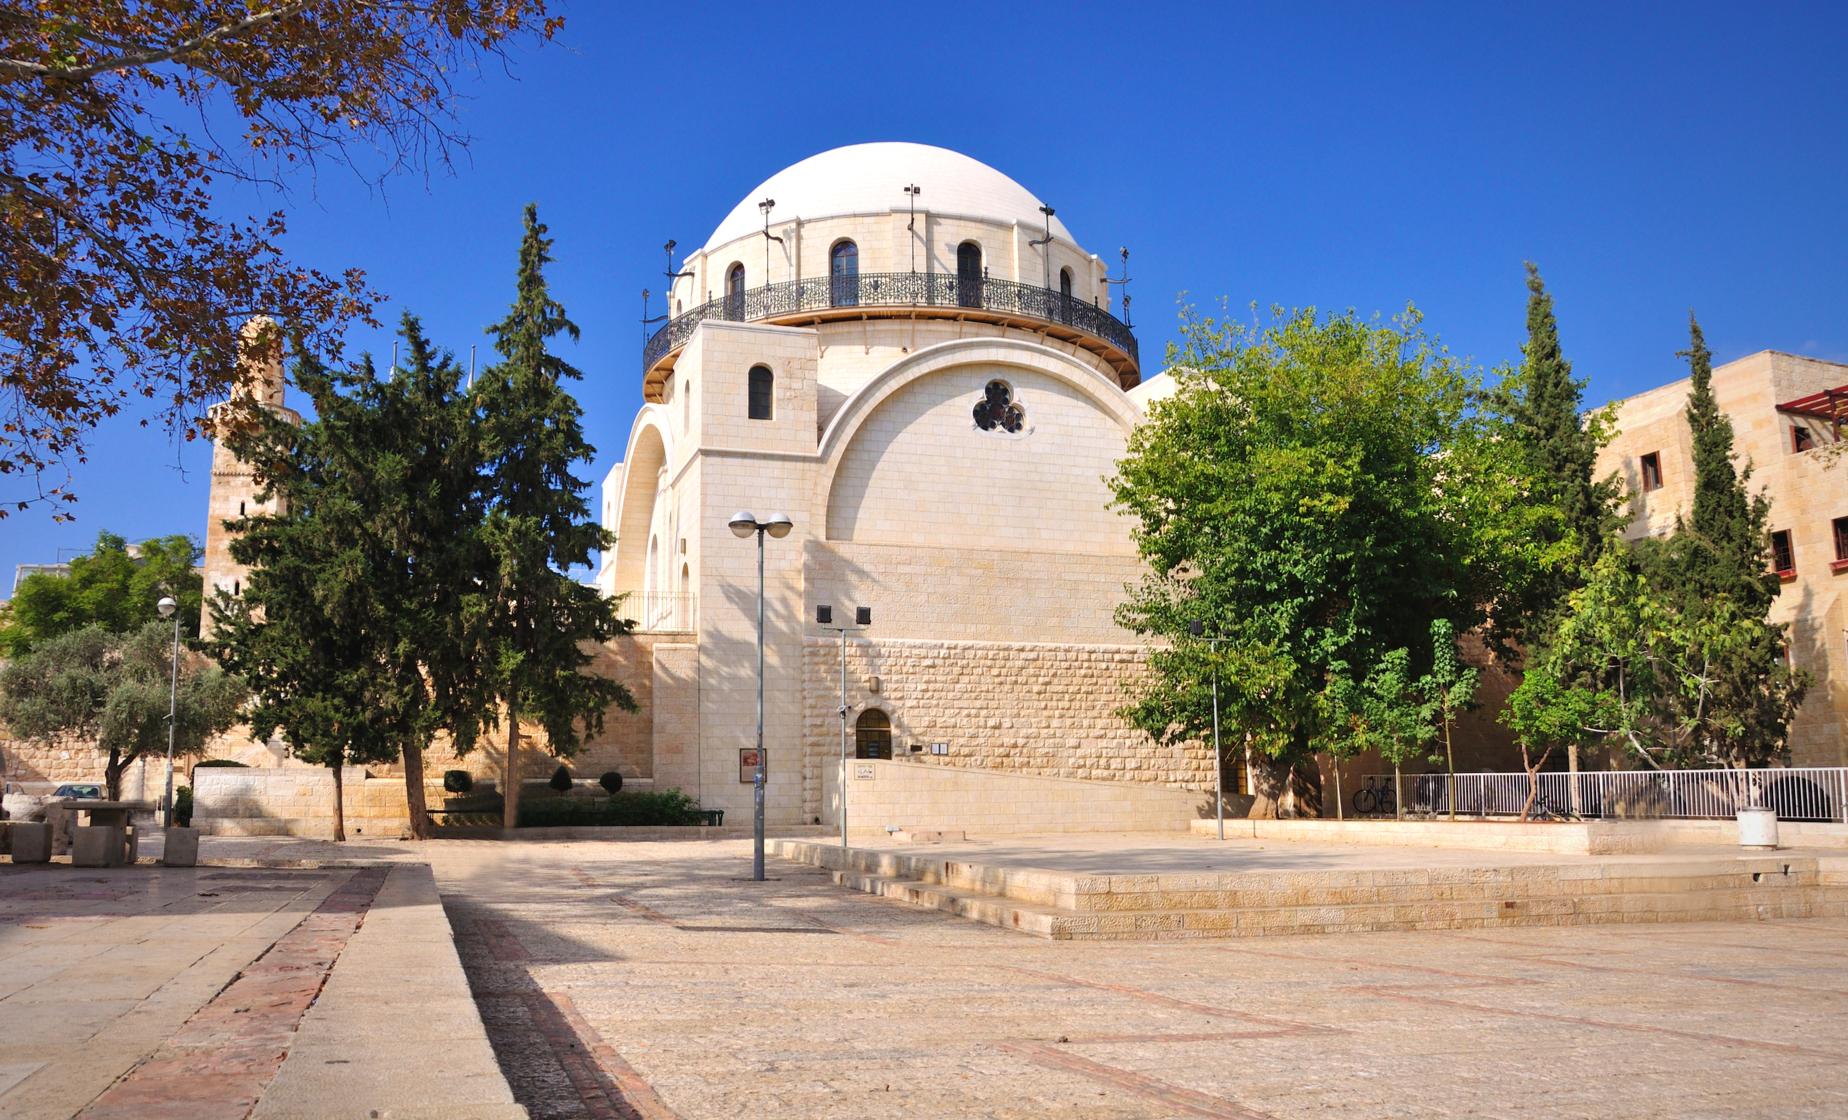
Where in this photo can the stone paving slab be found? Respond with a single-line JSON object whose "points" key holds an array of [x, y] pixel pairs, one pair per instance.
{"points": [[656, 981], [208, 992]]}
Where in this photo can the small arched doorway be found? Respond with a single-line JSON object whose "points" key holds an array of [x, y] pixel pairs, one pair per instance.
{"points": [[872, 735]]}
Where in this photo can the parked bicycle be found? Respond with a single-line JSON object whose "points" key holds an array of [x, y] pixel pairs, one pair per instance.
{"points": [[1545, 810], [1375, 799]]}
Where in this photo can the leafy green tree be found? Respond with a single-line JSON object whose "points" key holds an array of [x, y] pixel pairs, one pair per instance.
{"points": [[1317, 491], [1644, 669], [538, 620], [113, 689], [1387, 711], [111, 587], [1450, 688]]}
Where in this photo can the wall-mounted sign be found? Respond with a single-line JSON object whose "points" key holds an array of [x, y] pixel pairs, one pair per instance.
{"points": [[863, 773], [747, 765], [940, 748]]}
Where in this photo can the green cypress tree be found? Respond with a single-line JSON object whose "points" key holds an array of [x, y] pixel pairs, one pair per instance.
{"points": [[1722, 543], [313, 631], [538, 620], [1545, 405]]}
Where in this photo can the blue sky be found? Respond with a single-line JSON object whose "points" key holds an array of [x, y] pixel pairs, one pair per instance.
{"points": [[1650, 158]]}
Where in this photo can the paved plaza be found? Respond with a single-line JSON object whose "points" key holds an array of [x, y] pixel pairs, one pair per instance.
{"points": [[654, 980]]}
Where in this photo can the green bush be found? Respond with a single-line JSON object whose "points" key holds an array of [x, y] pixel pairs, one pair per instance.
{"points": [[183, 807], [561, 779], [458, 781], [669, 807], [220, 762], [611, 783]]}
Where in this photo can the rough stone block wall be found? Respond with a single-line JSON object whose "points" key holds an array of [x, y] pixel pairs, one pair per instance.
{"points": [[1023, 708]]}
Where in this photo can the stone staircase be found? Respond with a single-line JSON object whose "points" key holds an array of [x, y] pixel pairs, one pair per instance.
{"points": [[1159, 907]]}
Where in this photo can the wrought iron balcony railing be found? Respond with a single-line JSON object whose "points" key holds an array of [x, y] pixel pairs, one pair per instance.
{"points": [[895, 290]]}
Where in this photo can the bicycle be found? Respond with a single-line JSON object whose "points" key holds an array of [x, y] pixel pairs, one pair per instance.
{"points": [[1375, 798], [1545, 810]]}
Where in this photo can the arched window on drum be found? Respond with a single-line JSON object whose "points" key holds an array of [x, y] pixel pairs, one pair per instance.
{"points": [[844, 274]]}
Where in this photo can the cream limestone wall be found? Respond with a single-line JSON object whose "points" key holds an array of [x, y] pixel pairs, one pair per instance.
{"points": [[1045, 709], [1041, 489], [985, 803], [1807, 492], [298, 801]]}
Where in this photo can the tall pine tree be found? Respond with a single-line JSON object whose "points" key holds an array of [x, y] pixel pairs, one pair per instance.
{"points": [[1722, 545], [1545, 405], [538, 621], [1716, 571]]}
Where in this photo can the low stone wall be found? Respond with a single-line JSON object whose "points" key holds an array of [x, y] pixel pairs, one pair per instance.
{"points": [[299, 801], [913, 796]]}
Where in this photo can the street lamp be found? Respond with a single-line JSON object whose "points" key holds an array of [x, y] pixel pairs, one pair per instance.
{"points": [[862, 618], [1198, 630], [743, 524], [168, 608]]}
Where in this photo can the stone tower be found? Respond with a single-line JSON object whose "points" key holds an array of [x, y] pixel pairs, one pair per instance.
{"points": [[234, 490]]}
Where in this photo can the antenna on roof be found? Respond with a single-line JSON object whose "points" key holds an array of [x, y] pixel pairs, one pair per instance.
{"points": [[1123, 280], [1046, 257], [766, 206], [911, 226]]}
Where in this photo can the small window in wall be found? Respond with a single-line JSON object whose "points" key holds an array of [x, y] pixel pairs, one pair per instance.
{"points": [[762, 397], [872, 735], [1783, 556], [237, 587], [998, 409], [1801, 439], [1841, 540], [240, 509], [1652, 471]]}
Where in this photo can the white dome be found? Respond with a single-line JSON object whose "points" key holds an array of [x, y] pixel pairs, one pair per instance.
{"points": [[870, 179]]}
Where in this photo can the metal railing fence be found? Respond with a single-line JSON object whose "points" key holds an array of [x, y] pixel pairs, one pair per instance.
{"points": [[894, 289], [659, 610], [1806, 793]]}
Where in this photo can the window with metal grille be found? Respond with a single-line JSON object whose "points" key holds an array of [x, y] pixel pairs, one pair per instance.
{"points": [[1652, 471], [1783, 556], [761, 395]]}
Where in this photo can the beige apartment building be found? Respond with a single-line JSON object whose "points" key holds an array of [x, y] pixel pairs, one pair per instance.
{"points": [[1788, 414]]}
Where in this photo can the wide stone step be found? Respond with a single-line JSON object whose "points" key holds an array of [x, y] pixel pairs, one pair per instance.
{"points": [[1040, 921], [1082, 905]]}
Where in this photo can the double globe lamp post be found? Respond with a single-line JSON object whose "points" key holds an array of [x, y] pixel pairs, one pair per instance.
{"points": [[743, 524]]}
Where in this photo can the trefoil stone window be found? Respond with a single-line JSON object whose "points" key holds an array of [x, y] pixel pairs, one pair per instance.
{"points": [[998, 409]]}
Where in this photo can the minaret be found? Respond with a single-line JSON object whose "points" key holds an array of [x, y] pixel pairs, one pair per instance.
{"points": [[234, 491]]}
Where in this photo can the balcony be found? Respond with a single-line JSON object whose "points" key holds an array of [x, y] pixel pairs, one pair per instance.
{"points": [[936, 295], [660, 612]]}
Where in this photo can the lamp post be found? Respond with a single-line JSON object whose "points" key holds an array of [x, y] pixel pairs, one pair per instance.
{"points": [[743, 524], [168, 608], [1198, 630], [862, 618]]}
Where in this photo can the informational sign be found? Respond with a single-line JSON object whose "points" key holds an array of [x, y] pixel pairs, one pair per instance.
{"points": [[747, 765], [863, 773], [940, 748]]}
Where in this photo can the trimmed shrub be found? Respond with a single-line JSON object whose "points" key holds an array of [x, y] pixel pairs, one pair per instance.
{"points": [[183, 806], [561, 779], [611, 783], [669, 807], [220, 762], [458, 781]]}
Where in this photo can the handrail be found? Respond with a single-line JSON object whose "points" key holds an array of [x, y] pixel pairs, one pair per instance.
{"points": [[894, 289]]}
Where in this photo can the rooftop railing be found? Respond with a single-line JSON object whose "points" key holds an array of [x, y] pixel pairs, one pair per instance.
{"points": [[896, 290]]}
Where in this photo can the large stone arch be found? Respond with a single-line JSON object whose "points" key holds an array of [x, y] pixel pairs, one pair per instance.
{"points": [[1009, 358], [649, 443]]}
